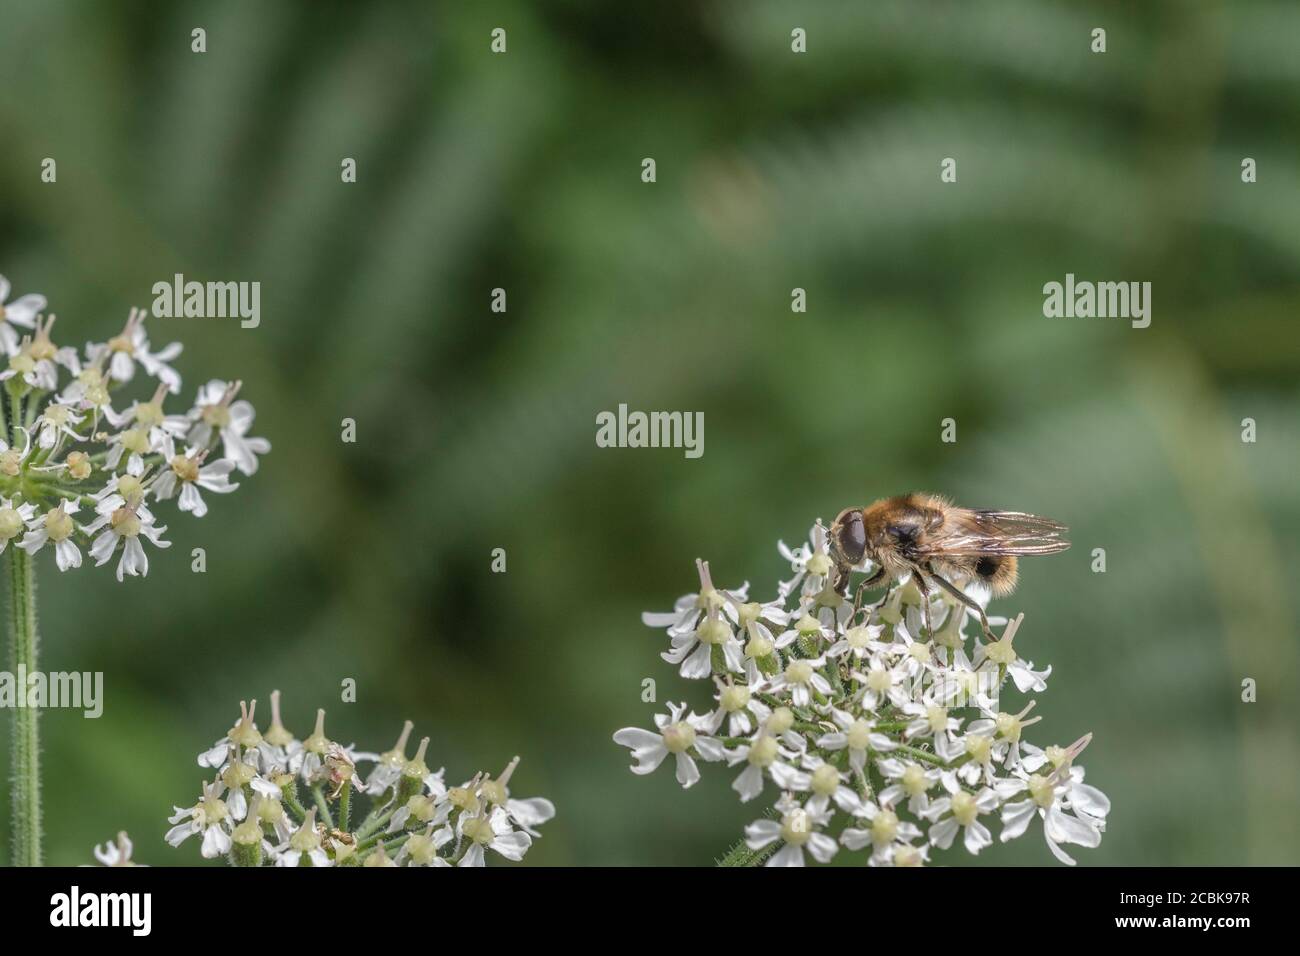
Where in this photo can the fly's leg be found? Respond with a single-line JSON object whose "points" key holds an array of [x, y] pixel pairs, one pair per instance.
{"points": [[965, 599], [867, 584], [925, 602], [840, 583]]}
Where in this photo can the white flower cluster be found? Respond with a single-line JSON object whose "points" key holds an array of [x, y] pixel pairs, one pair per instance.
{"points": [[877, 734], [252, 811], [70, 441]]}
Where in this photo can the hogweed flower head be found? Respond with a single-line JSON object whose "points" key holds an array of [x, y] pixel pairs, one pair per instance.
{"points": [[876, 735], [71, 438], [275, 800]]}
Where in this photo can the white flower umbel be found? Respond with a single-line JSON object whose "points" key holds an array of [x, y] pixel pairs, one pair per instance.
{"points": [[1071, 810], [739, 707], [56, 527], [682, 736], [702, 633], [797, 830], [188, 474], [216, 413], [810, 562], [208, 818], [527, 814], [124, 522], [131, 345], [305, 841], [491, 830], [878, 735], [57, 424], [86, 428], [886, 835], [279, 801], [961, 811]]}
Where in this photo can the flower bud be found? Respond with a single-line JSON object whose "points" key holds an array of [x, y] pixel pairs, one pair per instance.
{"points": [[11, 523], [318, 743], [58, 524], [825, 780], [412, 779], [479, 829], [679, 737], [734, 698], [713, 631], [276, 734], [420, 848], [764, 751], [78, 464], [858, 734], [244, 733]]}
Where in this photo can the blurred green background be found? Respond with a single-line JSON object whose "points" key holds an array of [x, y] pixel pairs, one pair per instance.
{"points": [[476, 430]]}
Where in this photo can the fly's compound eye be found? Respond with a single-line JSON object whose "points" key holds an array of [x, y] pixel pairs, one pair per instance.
{"points": [[852, 537]]}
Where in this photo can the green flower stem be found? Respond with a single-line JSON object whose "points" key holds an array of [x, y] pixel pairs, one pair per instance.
{"points": [[373, 839], [33, 406], [42, 455], [741, 855], [345, 807], [922, 755], [375, 820], [15, 387], [73, 495], [321, 805], [462, 847], [832, 672], [390, 845], [290, 794], [25, 748], [892, 726], [37, 491], [26, 796]]}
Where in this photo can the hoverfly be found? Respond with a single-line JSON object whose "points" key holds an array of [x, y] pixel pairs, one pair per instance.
{"points": [[939, 545]]}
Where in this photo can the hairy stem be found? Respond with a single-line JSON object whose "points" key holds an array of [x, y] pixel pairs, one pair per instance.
{"points": [[26, 795], [376, 819], [291, 801], [345, 807], [742, 855], [923, 755], [389, 844]]}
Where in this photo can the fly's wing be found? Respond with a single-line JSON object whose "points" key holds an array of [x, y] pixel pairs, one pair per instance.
{"points": [[971, 533]]}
